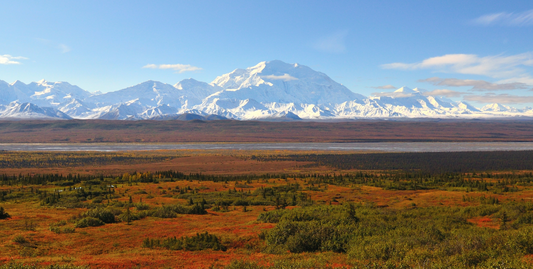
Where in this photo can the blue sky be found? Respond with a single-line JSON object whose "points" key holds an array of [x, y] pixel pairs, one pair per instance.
{"points": [[478, 51]]}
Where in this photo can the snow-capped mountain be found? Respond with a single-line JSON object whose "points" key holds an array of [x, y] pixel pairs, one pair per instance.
{"points": [[279, 82], [406, 102], [188, 92], [498, 108], [41, 93], [17, 110], [267, 91]]}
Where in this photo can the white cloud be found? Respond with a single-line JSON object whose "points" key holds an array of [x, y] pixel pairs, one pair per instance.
{"points": [[504, 18], [477, 85], [385, 87], [443, 92], [152, 66], [334, 43], [284, 77], [179, 68], [499, 98], [8, 59], [438, 92], [526, 79], [497, 66]]}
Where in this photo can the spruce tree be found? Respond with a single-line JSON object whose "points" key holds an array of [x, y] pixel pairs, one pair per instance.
{"points": [[3, 214]]}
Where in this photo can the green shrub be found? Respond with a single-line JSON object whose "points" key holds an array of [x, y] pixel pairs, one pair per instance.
{"points": [[164, 212], [98, 200], [241, 202], [194, 243], [89, 222], [283, 264], [141, 206], [171, 211], [378, 248], [271, 216], [56, 230], [68, 230], [20, 239], [105, 215]]}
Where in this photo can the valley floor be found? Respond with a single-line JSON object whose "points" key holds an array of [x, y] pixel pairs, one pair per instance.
{"points": [[172, 131]]}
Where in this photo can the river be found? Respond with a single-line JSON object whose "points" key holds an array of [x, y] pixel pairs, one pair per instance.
{"points": [[370, 147]]}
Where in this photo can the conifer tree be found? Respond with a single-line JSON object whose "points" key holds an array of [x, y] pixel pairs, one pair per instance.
{"points": [[3, 214], [128, 216]]}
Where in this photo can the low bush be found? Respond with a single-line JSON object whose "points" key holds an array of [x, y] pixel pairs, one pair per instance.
{"points": [[193, 243], [89, 222], [19, 239], [409, 237], [172, 211], [141, 206], [103, 214]]}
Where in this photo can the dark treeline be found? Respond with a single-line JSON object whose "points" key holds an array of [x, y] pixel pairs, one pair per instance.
{"points": [[147, 177], [400, 180], [10, 159], [432, 162]]}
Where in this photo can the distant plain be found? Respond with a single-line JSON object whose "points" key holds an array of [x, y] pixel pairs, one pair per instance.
{"points": [[103, 131]]}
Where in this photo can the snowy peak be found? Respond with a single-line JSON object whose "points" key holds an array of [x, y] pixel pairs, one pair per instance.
{"points": [[17, 83], [194, 91], [407, 90], [30, 111], [152, 93], [189, 83], [279, 82], [272, 71], [41, 93], [124, 111], [230, 80], [495, 107]]}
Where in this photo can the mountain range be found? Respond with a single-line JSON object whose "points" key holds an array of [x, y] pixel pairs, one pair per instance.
{"points": [[267, 91]]}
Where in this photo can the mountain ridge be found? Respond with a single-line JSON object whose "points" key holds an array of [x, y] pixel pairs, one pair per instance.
{"points": [[267, 90]]}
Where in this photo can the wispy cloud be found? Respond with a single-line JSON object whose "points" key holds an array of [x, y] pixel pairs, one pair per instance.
{"points": [[526, 79], [497, 66], [64, 48], [61, 47], [8, 59], [284, 77], [439, 92], [499, 98], [385, 87], [477, 85], [179, 68], [505, 18], [443, 92], [334, 43]]}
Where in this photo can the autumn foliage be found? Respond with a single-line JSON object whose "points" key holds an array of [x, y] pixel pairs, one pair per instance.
{"points": [[319, 217]]}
